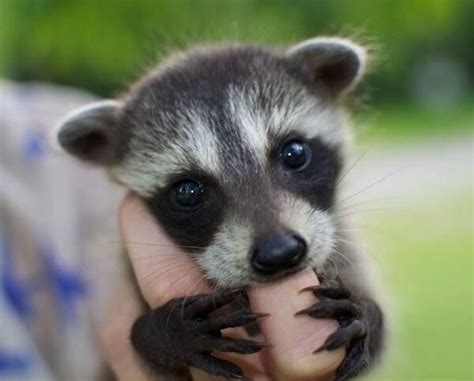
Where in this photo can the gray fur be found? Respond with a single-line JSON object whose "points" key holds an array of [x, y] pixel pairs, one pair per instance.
{"points": [[219, 116], [221, 111]]}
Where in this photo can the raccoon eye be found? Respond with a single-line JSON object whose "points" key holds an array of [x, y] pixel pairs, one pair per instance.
{"points": [[295, 155], [189, 193]]}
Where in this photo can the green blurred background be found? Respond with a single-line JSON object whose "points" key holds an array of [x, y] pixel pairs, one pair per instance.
{"points": [[420, 90], [422, 48]]}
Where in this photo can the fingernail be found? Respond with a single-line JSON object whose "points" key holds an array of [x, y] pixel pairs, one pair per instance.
{"points": [[309, 288], [303, 311], [320, 349], [259, 315], [265, 345]]}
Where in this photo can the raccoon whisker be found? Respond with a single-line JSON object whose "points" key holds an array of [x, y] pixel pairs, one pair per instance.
{"points": [[185, 275], [158, 272], [370, 253], [368, 187], [360, 227], [339, 239], [185, 298], [357, 211], [334, 264], [164, 256], [341, 256], [214, 290], [154, 271], [148, 279], [241, 304], [381, 231], [156, 244], [358, 247], [340, 216], [169, 267], [350, 230], [191, 292], [351, 167], [169, 316], [353, 244], [169, 262], [163, 263], [372, 201]]}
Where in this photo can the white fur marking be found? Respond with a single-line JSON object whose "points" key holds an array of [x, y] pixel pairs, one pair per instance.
{"points": [[250, 121], [226, 260], [145, 169], [315, 226]]}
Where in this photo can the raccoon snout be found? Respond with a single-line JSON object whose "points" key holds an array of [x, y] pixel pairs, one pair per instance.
{"points": [[278, 253]]}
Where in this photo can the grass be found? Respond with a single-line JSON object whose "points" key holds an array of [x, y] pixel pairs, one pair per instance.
{"points": [[427, 260]]}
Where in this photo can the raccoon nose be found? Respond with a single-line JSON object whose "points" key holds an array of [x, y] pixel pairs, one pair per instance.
{"points": [[278, 253]]}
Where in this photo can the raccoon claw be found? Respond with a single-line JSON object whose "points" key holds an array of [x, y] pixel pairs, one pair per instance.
{"points": [[183, 333], [329, 291], [202, 304], [333, 309], [344, 336], [235, 319], [336, 302], [356, 361]]}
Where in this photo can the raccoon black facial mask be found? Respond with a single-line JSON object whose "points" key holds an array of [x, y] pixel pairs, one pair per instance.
{"points": [[237, 151]]}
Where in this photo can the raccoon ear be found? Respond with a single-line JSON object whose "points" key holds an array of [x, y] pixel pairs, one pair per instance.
{"points": [[336, 64], [91, 132]]}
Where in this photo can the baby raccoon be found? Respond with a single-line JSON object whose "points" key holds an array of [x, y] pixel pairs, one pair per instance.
{"points": [[237, 151]]}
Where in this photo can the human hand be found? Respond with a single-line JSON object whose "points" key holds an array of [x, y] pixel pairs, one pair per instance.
{"points": [[165, 272]]}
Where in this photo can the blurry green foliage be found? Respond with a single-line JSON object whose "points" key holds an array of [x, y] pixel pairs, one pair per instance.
{"points": [[430, 266], [101, 45], [399, 123]]}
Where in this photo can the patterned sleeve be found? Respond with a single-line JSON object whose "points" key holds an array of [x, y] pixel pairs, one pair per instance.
{"points": [[50, 213]]}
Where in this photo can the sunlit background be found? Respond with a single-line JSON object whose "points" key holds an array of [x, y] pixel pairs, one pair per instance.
{"points": [[414, 117]]}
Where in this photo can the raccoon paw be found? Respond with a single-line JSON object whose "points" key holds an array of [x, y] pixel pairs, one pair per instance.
{"points": [[182, 334], [336, 302]]}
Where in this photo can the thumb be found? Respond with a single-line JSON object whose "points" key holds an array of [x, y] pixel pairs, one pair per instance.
{"points": [[294, 338]]}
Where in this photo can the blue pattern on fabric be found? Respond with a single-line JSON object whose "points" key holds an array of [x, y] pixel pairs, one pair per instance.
{"points": [[69, 286], [14, 362], [34, 144], [18, 293]]}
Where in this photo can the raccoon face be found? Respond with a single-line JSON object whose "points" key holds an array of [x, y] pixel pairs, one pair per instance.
{"points": [[236, 150]]}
